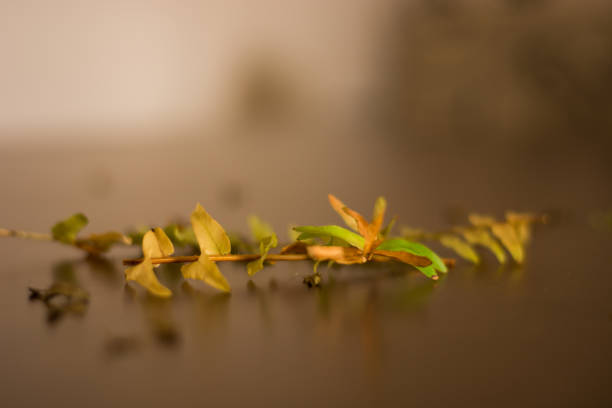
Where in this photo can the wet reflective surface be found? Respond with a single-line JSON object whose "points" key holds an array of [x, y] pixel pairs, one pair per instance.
{"points": [[491, 335]]}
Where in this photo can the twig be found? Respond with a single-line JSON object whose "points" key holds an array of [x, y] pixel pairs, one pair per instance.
{"points": [[4, 232], [245, 258]]}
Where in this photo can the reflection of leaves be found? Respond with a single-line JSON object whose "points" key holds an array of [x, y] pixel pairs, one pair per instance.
{"points": [[61, 298], [267, 240], [66, 231]]}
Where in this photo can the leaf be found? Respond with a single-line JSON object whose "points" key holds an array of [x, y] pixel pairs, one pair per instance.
{"points": [[405, 257], [428, 271], [297, 247], [181, 235], [461, 247], [339, 254], [206, 270], [479, 220], [327, 231], [339, 206], [508, 236], [380, 206], [67, 230], [482, 237], [211, 236], [414, 248], [384, 233], [143, 274], [99, 243], [265, 245], [259, 228], [156, 244]]}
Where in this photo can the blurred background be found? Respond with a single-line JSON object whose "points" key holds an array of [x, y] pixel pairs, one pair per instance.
{"points": [[132, 111]]}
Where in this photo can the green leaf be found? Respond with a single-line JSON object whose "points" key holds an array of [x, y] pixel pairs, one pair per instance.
{"points": [[206, 270], [461, 247], [415, 248], [259, 229], [265, 245], [67, 230], [329, 231], [181, 235], [143, 274], [264, 234], [210, 234], [428, 271]]}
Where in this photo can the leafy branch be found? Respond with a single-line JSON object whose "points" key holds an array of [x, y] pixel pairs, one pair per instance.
{"points": [[363, 242]]}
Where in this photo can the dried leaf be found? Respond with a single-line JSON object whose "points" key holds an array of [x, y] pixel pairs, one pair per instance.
{"points": [[415, 248], [265, 245], [339, 206], [206, 270], [482, 237], [380, 206], [143, 274], [508, 236], [339, 254], [329, 231], [461, 247], [67, 230], [404, 257], [211, 236], [297, 247]]}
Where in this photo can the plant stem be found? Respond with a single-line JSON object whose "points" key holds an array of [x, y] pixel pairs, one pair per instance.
{"points": [[4, 232], [245, 257], [220, 258]]}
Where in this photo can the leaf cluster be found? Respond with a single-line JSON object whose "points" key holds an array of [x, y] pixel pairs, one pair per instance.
{"points": [[509, 236]]}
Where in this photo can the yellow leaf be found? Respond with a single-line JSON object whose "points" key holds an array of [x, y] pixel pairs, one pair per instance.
{"points": [[210, 234], [156, 244], [479, 220], [339, 206], [206, 270], [342, 255], [380, 206], [482, 237], [461, 247], [144, 275], [507, 234]]}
